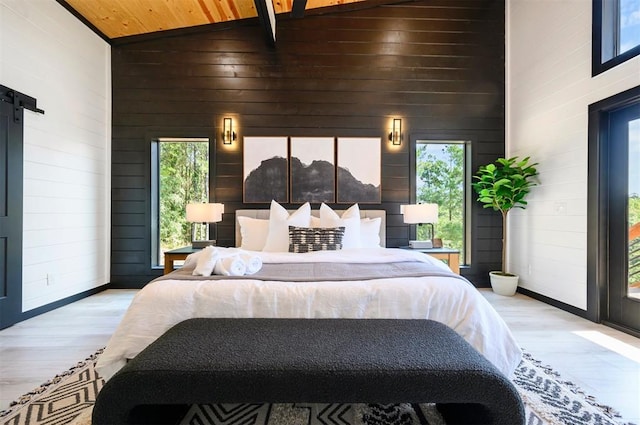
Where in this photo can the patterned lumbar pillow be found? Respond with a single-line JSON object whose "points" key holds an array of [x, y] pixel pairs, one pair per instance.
{"points": [[306, 239]]}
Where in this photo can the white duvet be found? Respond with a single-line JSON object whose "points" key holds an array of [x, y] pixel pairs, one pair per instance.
{"points": [[450, 300]]}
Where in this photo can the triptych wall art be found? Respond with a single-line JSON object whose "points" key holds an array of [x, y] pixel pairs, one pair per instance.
{"points": [[312, 169]]}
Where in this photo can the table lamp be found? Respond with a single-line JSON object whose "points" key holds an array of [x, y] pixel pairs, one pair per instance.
{"points": [[420, 214], [204, 213]]}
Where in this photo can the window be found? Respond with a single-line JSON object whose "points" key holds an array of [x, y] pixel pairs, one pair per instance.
{"points": [[616, 33], [629, 25], [633, 207], [442, 177], [613, 219], [180, 175]]}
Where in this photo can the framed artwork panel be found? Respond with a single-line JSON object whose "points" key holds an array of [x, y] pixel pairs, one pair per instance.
{"points": [[312, 169], [359, 170], [265, 169]]}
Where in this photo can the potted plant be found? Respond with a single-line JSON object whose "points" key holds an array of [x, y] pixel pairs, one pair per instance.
{"points": [[503, 185]]}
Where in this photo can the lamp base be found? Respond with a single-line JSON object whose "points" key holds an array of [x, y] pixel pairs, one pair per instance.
{"points": [[421, 244], [202, 244]]}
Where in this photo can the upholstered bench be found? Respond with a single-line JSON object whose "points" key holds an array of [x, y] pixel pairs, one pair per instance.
{"points": [[201, 361]]}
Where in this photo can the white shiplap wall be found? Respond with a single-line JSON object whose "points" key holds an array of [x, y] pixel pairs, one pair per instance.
{"points": [[549, 89], [47, 53]]}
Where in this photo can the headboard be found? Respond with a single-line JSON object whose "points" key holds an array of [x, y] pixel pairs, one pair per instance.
{"points": [[264, 215]]}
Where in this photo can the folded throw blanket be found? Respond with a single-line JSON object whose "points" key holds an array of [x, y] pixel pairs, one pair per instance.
{"points": [[206, 261]]}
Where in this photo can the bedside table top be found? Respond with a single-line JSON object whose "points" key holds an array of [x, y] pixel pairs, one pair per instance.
{"points": [[183, 250], [432, 250]]}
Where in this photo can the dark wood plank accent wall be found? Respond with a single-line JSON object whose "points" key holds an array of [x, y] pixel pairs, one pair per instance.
{"points": [[437, 64]]}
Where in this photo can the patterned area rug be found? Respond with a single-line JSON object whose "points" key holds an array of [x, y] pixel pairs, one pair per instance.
{"points": [[68, 399]]}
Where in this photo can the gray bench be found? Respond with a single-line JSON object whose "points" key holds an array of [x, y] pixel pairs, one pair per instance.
{"points": [[202, 361]]}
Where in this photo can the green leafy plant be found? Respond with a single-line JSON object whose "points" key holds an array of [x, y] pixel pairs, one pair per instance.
{"points": [[504, 185]]}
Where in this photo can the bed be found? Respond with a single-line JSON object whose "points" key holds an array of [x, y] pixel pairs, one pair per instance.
{"points": [[361, 282]]}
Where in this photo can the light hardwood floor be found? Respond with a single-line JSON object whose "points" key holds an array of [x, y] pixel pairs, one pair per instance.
{"points": [[601, 360]]}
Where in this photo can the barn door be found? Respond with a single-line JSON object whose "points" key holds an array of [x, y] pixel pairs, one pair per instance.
{"points": [[11, 160]]}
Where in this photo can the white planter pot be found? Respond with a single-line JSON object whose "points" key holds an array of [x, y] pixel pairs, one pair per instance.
{"points": [[503, 285]]}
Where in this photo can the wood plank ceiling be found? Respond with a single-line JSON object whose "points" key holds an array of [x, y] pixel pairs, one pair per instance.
{"points": [[122, 18]]}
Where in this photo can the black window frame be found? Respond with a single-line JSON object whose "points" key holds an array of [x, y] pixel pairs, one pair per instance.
{"points": [[447, 138], [605, 33], [156, 254], [597, 199]]}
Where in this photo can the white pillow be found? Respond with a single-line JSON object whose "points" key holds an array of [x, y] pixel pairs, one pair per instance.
{"points": [[315, 222], [254, 233], [350, 220], [370, 232], [279, 222], [206, 261]]}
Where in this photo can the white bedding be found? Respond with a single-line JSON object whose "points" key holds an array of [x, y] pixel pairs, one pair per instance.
{"points": [[450, 300]]}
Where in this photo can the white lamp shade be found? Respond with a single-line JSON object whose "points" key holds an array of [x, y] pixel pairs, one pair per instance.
{"points": [[204, 213], [419, 213]]}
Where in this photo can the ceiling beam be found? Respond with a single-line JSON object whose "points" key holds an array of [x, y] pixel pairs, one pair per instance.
{"points": [[297, 10], [267, 17]]}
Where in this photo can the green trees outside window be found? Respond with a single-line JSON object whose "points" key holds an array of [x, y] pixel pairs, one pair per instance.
{"points": [[440, 179], [183, 177]]}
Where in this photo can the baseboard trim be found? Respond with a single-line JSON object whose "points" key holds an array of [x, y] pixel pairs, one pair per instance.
{"points": [[60, 303], [559, 304]]}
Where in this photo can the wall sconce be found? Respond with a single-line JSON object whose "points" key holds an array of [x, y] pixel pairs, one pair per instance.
{"points": [[395, 137], [228, 135]]}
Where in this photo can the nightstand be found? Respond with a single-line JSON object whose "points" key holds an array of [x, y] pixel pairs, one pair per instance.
{"points": [[448, 255], [177, 255]]}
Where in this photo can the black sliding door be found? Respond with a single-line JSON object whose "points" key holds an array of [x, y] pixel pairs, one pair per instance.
{"points": [[11, 160], [624, 218]]}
